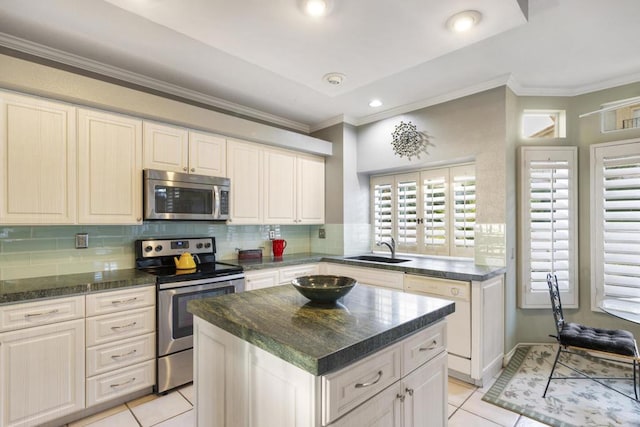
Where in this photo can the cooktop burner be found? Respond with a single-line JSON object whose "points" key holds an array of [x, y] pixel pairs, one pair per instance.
{"points": [[169, 273], [158, 257]]}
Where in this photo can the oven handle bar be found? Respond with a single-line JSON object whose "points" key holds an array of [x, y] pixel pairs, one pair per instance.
{"points": [[201, 281]]}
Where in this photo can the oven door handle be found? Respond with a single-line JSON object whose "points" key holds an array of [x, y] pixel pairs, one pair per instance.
{"points": [[201, 284]]}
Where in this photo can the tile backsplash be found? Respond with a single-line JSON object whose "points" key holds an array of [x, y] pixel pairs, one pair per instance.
{"points": [[36, 251]]}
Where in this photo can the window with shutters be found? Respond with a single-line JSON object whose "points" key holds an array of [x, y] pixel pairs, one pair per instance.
{"points": [[615, 225], [549, 241], [427, 212]]}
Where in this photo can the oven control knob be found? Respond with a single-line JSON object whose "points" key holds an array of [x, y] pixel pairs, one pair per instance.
{"points": [[158, 248], [148, 248], [199, 246], [207, 245]]}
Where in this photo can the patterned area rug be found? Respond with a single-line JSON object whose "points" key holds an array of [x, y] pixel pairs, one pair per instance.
{"points": [[569, 402]]}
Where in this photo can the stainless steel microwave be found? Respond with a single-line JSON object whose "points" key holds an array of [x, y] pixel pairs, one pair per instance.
{"points": [[187, 197]]}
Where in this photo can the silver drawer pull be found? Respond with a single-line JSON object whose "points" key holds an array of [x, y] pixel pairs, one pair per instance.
{"points": [[28, 315], [119, 356], [434, 344], [362, 385], [124, 383], [124, 301], [115, 328]]}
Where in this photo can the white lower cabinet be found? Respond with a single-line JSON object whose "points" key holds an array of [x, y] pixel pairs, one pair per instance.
{"points": [[416, 401], [42, 367], [396, 386], [277, 276], [121, 343], [365, 276]]}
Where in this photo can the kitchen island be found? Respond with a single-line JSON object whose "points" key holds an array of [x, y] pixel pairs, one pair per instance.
{"points": [[270, 357]]}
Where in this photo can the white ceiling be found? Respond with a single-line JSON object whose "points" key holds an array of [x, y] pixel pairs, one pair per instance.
{"points": [[266, 59]]}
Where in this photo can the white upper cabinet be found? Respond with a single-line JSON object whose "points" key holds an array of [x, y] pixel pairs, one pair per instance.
{"points": [[166, 147], [38, 161], [274, 186], [310, 189], [207, 154], [109, 168], [279, 187], [176, 149], [244, 168]]}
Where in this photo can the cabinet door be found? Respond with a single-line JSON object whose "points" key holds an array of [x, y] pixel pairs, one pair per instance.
{"points": [[260, 279], [42, 373], [37, 161], [166, 147], [109, 168], [244, 168], [310, 190], [279, 187], [382, 410], [425, 392], [207, 154]]}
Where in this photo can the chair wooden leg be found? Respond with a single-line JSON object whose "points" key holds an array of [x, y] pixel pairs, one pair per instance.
{"points": [[555, 362]]}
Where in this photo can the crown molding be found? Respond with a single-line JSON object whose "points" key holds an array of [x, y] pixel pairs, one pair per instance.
{"points": [[403, 109], [86, 64]]}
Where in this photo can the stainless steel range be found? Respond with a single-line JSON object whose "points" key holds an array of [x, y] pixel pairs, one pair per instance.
{"points": [[175, 287]]}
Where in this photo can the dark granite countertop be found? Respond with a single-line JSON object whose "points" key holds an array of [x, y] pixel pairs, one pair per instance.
{"points": [[455, 269], [23, 290], [321, 339]]}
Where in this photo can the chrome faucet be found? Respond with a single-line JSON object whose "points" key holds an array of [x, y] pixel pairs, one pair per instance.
{"points": [[391, 246]]}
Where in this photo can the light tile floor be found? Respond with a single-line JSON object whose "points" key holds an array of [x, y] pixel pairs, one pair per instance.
{"points": [[175, 409]]}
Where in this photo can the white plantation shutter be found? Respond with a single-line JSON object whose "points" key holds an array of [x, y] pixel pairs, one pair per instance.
{"points": [[434, 214], [406, 211], [549, 225], [382, 208], [463, 181], [616, 225], [429, 212]]}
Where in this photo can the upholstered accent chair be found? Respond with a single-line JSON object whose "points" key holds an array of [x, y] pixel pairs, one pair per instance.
{"points": [[614, 345]]}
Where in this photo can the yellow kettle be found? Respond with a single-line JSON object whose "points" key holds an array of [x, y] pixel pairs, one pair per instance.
{"points": [[185, 262]]}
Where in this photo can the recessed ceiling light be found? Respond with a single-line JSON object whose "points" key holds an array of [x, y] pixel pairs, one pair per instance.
{"points": [[375, 103], [334, 79], [315, 8], [464, 21]]}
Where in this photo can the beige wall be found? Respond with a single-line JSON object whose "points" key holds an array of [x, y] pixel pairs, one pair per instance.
{"points": [[535, 325]]}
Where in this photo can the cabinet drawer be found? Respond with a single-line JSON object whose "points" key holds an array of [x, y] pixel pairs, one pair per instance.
{"points": [[107, 357], [24, 315], [345, 389], [289, 273], [423, 346], [121, 382], [111, 327], [114, 301]]}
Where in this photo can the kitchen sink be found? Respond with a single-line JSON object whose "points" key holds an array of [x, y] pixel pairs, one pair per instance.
{"points": [[374, 258]]}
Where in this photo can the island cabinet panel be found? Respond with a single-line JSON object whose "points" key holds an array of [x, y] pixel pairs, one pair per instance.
{"points": [[382, 410], [424, 394], [344, 390], [238, 384]]}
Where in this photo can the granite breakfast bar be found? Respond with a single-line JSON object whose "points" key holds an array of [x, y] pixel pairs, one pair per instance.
{"points": [[271, 357]]}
